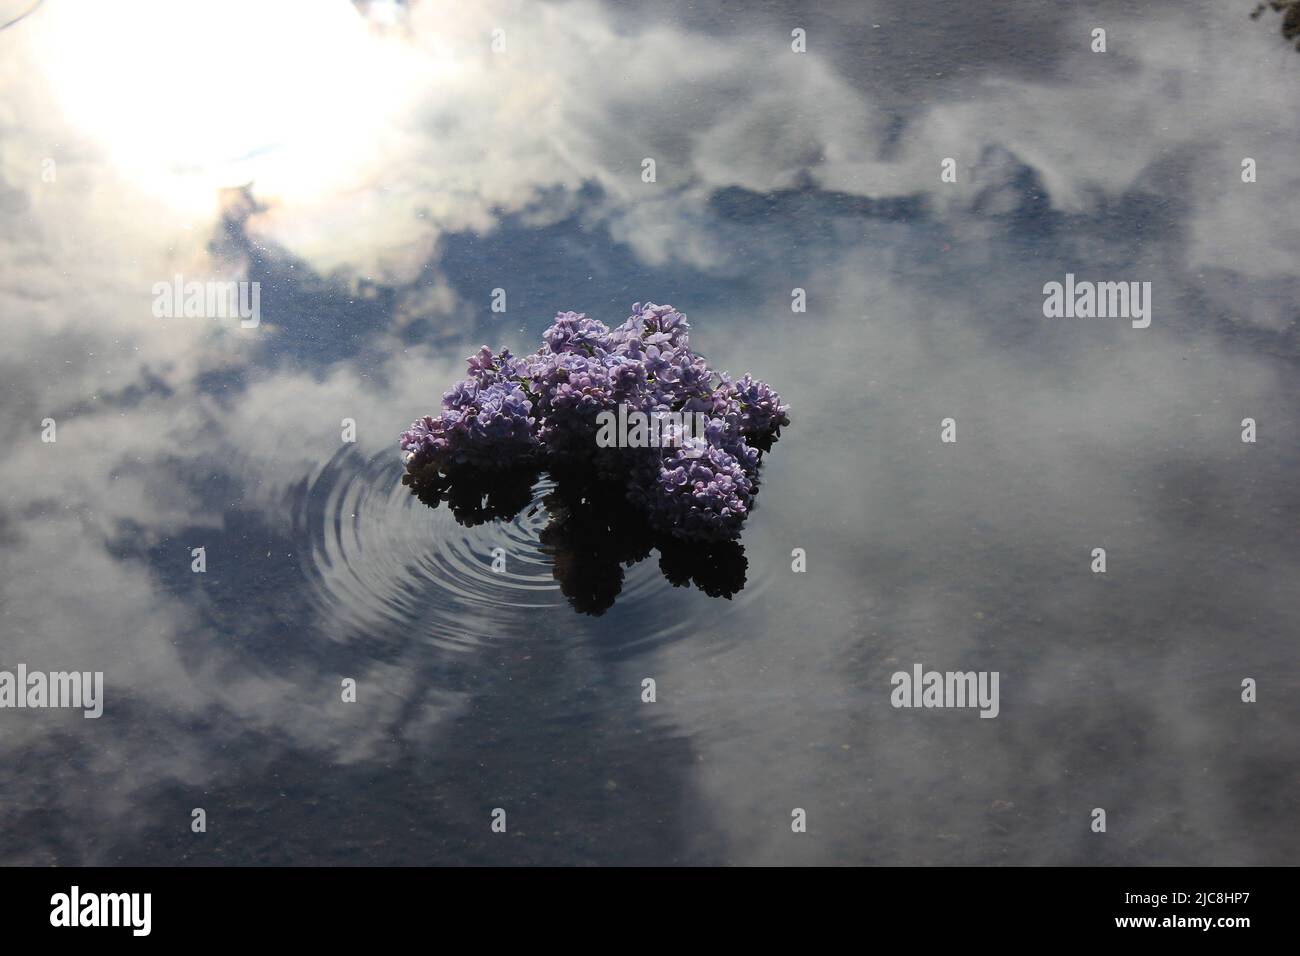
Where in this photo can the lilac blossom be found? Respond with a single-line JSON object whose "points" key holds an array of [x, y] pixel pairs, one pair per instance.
{"points": [[543, 408]]}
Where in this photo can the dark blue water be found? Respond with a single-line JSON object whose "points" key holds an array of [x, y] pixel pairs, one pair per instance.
{"points": [[379, 178]]}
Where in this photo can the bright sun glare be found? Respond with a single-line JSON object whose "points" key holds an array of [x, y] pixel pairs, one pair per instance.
{"points": [[188, 96]]}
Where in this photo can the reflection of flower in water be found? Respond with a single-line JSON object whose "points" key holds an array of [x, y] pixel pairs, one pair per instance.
{"points": [[474, 496], [592, 534]]}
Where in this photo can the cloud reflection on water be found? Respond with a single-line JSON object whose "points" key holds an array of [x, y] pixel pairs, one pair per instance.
{"points": [[819, 171]]}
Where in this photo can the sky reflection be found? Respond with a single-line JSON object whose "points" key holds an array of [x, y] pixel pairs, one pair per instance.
{"points": [[397, 171]]}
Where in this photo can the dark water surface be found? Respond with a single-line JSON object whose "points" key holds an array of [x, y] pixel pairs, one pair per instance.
{"points": [[400, 172]]}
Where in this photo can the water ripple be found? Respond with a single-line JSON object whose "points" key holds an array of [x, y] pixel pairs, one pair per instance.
{"points": [[379, 559], [385, 563]]}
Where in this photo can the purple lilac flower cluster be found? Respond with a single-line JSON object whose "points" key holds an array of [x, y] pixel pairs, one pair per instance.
{"points": [[541, 410]]}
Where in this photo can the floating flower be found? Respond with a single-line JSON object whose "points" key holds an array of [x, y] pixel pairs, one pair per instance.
{"points": [[543, 408]]}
